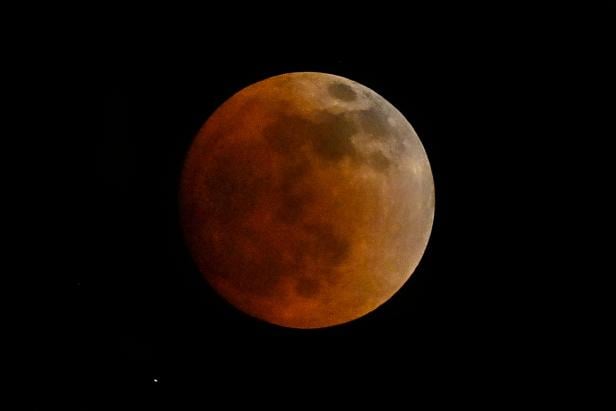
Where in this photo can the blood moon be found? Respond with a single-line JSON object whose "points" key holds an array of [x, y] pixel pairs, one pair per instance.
{"points": [[307, 200]]}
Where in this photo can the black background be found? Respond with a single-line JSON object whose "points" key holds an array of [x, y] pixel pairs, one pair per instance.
{"points": [[483, 94]]}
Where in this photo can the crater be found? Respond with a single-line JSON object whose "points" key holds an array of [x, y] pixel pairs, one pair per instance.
{"points": [[342, 91]]}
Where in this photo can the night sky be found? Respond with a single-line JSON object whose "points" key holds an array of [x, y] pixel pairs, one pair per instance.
{"points": [[143, 321], [151, 304]]}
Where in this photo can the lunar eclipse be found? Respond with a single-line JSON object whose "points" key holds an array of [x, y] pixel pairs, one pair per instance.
{"points": [[307, 200]]}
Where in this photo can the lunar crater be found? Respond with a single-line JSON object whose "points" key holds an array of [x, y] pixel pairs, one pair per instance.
{"points": [[342, 91]]}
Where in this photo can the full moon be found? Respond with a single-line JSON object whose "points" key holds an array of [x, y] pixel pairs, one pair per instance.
{"points": [[307, 200]]}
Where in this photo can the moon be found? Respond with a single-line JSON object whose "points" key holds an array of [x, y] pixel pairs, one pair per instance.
{"points": [[307, 200]]}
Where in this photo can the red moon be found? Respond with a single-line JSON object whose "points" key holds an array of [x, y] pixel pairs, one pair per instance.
{"points": [[307, 200]]}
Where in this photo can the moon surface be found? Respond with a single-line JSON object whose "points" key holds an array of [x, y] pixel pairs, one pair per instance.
{"points": [[307, 200]]}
